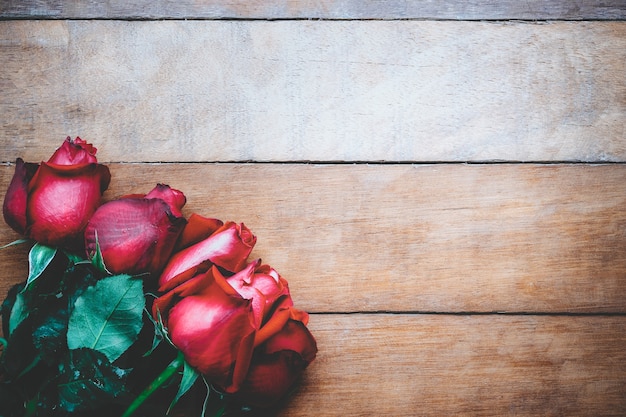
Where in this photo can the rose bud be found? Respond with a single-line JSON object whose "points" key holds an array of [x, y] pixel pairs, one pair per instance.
{"points": [[211, 325], [137, 233], [52, 202], [228, 247], [278, 364]]}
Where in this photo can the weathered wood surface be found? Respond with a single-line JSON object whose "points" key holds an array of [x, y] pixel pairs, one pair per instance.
{"points": [[315, 90], [425, 365], [438, 238], [310, 9], [444, 247]]}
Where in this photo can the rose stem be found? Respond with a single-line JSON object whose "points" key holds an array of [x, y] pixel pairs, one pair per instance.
{"points": [[31, 406], [167, 373]]}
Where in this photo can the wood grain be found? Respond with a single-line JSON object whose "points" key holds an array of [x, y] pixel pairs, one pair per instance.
{"points": [[416, 365], [315, 90], [307, 9], [441, 238], [404, 267]]}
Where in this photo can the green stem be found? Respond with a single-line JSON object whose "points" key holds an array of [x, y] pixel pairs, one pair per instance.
{"points": [[167, 373], [31, 406]]}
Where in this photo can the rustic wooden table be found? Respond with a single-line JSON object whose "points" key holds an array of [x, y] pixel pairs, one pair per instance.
{"points": [[442, 183]]}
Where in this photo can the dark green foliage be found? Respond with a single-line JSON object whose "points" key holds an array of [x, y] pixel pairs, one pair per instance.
{"points": [[41, 376]]}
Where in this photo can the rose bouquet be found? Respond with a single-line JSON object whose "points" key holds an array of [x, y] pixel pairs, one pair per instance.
{"points": [[129, 307]]}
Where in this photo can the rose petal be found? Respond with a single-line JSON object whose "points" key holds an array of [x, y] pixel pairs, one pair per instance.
{"points": [[16, 198], [215, 332], [74, 152], [192, 286], [296, 337], [227, 248], [175, 199], [277, 364], [262, 288], [270, 378], [274, 325], [238, 282], [197, 229], [135, 235], [61, 201]]}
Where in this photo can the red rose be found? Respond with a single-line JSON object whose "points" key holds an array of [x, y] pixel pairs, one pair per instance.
{"points": [[137, 233], [283, 345], [52, 202], [227, 247], [277, 364], [259, 357], [212, 326]]}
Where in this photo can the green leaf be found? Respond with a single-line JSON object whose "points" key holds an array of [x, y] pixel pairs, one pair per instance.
{"points": [[50, 336], [7, 306], [20, 355], [4, 344], [108, 316], [19, 312], [15, 242], [39, 258], [74, 258], [89, 381], [190, 375], [98, 260]]}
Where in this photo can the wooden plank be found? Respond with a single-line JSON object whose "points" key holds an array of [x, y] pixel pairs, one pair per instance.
{"points": [[405, 365], [429, 238], [316, 90], [307, 9]]}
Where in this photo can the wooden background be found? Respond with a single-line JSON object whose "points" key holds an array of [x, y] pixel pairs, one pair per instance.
{"points": [[442, 183]]}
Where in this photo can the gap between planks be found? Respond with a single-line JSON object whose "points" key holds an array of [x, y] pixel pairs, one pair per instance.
{"points": [[477, 313], [327, 10]]}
